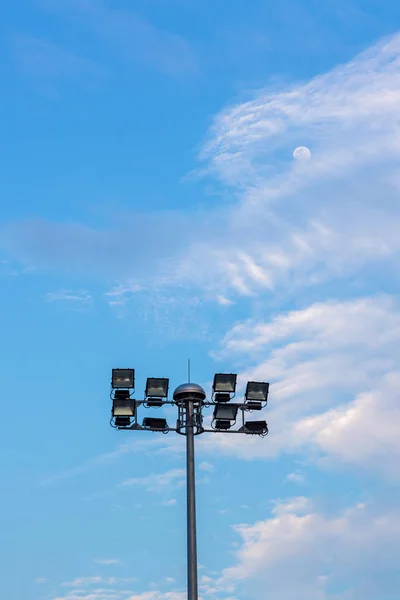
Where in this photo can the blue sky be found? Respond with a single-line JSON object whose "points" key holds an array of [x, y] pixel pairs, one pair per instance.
{"points": [[154, 209]]}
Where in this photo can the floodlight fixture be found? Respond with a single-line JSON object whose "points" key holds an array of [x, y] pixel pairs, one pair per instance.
{"points": [[155, 424], [226, 412], [256, 427], [223, 424], [123, 378], [154, 402], [225, 382], [122, 422], [257, 390], [157, 387], [123, 404], [253, 405], [222, 397]]}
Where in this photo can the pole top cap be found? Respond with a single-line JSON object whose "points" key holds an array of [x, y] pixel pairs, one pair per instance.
{"points": [[189, 390]]}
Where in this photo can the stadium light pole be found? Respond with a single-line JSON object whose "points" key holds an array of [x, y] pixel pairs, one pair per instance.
{"points": [[190, 400]]}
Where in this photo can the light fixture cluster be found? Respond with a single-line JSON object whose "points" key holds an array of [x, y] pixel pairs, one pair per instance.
{"points": [[225, 412], [124, 408]]}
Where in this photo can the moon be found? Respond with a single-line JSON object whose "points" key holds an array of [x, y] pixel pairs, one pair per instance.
{"points": [[302, 154]]}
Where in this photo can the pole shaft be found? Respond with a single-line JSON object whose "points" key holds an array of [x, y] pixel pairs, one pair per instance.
{"points": [[191, 505]]}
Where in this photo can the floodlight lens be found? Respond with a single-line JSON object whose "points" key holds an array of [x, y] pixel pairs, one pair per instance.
{"points": [[224, 382], [123, 378], [226, 412], [257, 390], [157, 387], [123, 407]]}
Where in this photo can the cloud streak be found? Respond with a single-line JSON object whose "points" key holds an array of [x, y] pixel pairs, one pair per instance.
{"points": [[46, 61], [299, 224], [132, 37]]}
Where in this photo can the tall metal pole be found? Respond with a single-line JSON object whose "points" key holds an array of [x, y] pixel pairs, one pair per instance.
{"points": [[191, 505]]}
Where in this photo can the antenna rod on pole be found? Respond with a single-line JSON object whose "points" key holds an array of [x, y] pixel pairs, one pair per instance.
{"points": [[188, 370]]}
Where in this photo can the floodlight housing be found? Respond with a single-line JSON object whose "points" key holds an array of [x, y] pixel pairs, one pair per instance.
{"points": [[257, 390], [223, 424], [222, 397], [123, 378], [225, 382], [122, 422], [254, 405], [155, 402], [157, 387], [226, 412], [123, 405], [256, 427], [153, 423]]}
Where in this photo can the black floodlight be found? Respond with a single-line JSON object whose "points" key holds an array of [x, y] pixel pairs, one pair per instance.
{"points": [[226, 412], [122, 422], [254, 405], [157, 387], [223, 424], [259, 427], [224, 382], [123, 378], [155, 402], [257, 390], [123, 405], [153, 423], [222, 397]]}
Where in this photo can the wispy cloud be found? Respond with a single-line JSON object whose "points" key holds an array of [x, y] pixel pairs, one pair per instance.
{"points": [[131, 36], [157, 482], [289, 237], [78, 300], [171, 502], [48, 62], [206, 466], [104, 459]]}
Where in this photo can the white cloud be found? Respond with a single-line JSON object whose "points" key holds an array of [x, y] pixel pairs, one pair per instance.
{"points": [[106, 561], [354, 550], [170, 502], [206, 466], [157, 482], [40, 580], [120, 294], [83, 581], [69, 296], [295, 477], [334, 369]]}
